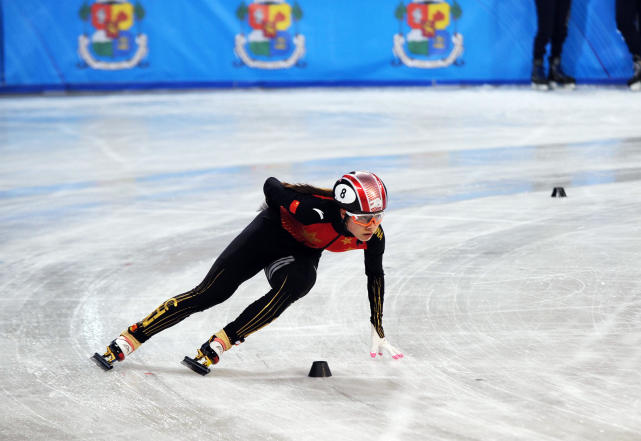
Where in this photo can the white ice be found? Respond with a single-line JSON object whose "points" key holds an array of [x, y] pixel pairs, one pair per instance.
{"points": [[519, 313]]}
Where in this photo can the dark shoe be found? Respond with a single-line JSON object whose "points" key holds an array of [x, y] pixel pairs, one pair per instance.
{"points": [[557, 77], [539, 80]]}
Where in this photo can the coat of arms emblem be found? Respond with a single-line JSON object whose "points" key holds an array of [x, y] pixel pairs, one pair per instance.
{"points": [[270, 42], [431, 42], [113, 44]]}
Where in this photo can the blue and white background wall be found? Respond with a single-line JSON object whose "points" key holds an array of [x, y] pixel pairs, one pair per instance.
{"points": [[98, 44]]}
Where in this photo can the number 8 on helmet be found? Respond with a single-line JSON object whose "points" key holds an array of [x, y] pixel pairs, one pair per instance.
{"points": [[361, 193]]}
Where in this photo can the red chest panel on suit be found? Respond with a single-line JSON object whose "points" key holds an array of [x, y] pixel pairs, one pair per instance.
{"points": [[344, 243], [318, 235]]}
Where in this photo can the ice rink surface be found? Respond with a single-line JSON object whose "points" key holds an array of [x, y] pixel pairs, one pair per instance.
{"points": [[519, 313]]}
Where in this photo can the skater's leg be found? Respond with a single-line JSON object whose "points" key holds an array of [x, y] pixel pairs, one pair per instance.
{"points": [[291, 278], [243, 258], [247, 254], [220, 283]]}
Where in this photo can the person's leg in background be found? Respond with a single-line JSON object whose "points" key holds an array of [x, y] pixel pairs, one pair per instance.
{"points": [[628, 14], [545, 23], [556, 76]]}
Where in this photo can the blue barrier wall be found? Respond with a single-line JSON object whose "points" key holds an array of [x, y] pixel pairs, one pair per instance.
{"points": [[94, 44]]}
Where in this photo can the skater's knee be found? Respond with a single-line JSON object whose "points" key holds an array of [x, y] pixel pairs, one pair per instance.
{"points": [[294, 283], [300, 282]]}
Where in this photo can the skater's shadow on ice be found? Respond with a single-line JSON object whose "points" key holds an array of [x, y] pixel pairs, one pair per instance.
{"points": [[229, 373]]}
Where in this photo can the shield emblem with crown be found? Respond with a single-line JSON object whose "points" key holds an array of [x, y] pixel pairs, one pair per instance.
{"points": [[113, 43], [270, 42], [433, 39]]}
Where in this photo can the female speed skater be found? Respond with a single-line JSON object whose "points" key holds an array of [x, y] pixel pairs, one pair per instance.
{"points": [[285, 240]]}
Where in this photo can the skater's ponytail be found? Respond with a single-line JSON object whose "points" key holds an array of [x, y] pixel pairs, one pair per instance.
{"points": [[327, 193], [310, 189]]}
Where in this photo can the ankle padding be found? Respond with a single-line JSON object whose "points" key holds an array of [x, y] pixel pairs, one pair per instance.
{"points": [[223, 338], [133, 342]]}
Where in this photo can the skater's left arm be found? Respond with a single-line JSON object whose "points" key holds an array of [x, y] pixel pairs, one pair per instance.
{"points": [[376, 294], [306, 209]]}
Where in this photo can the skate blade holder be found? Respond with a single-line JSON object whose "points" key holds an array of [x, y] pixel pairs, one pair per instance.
{"points": [[101, 362], [195, 366]]}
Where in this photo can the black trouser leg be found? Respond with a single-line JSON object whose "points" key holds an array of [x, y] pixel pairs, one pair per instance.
{"points": [[628, 14], [221, 282], [247, 254], [560, 31], [545, 26], [289, 283]]}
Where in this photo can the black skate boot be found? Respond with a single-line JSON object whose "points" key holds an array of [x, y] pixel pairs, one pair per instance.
{"points": [[118, 349], [208, 354], [557, 78], [634, 83], [539, 80], [114, 353]]}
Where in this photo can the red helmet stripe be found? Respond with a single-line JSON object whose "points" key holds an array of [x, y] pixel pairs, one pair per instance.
{"points": [[362, 197], [382, 191]]}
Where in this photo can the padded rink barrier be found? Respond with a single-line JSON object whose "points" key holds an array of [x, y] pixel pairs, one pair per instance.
{"points": [[95, 44]]}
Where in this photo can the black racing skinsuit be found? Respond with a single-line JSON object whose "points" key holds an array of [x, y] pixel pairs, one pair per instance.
{"points": [[290, 265]]}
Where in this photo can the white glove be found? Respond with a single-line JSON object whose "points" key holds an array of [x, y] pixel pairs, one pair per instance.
{"points": [[378, 344]]}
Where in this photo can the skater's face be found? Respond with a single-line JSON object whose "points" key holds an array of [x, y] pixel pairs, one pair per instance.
{"points": [[358, 229]]}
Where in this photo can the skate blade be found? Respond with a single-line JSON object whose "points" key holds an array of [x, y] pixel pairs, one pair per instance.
{"points": [[195, 366], [101, 362], [635, 86]]}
